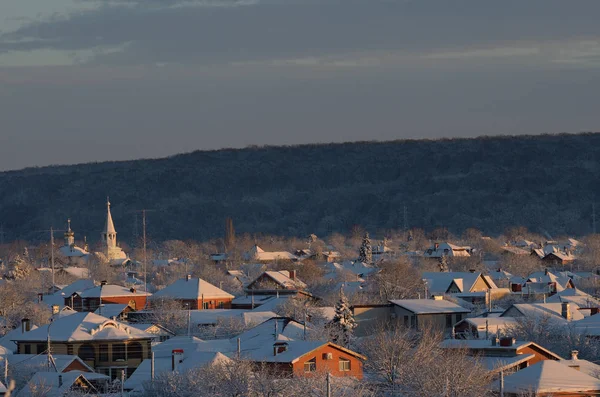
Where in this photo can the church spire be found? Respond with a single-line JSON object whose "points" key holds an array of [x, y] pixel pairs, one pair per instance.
{"points": [[109, 234], [69, 235]]}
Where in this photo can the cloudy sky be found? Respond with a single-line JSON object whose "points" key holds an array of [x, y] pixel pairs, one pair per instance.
{"points": [[92, 80]]}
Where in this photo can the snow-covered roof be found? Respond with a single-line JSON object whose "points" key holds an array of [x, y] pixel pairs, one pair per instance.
{"points": [[111, 310], [429, 306], [257, 253], [515, 250], [110, 290], [143, 373], [7, 341], [553, 310], [590, 326], [549, 376], [585, 366], [493, 324], [446, 249], [51, 386], [494, 363], [210, 317], [82, 326], [72, 251], [577, 296], [78, 272], [192, 288], [62, 361], [440, 282], [485, 345]]}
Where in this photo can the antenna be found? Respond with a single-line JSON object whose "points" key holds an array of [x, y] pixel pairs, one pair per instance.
{"points": [[143, 211]]}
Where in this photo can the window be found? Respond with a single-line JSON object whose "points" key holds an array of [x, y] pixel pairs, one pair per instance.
{"points": [[448, 320], [310, 365], [87, 352], [70, 350], [104, 353], [205, 305], [41, 348], [119, 352], [27, 349], [221, 305], [344, 365], [135, 350]]}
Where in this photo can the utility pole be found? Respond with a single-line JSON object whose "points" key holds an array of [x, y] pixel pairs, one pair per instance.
{"points": [[594, 218], [52, 230], [145, 255], [405, 223]]}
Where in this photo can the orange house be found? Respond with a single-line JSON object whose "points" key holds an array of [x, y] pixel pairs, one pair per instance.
{"points": [[90, 299], [309, 358], [195, 294]]}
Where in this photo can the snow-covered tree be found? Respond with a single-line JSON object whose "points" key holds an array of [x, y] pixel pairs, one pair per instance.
{"points": [[365, 253], [342, 326], [443, 265]]}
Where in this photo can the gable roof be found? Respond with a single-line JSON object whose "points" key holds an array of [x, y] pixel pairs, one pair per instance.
{"points": [[553, 310], [440, 282], [282, 278], [487, 346], [257, 253], [549, 376], [111, 290], [80, 327], [191, 289], [429, 306]]}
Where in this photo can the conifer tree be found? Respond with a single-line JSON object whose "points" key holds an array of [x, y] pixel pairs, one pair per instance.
{"points": [[343, 324], [365, 253]]}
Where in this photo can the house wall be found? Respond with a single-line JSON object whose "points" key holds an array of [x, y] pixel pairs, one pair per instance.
{"points": [[426, 321], [512, 312], [480, 285], [368, 318], [131, 363], [331, 366], [540, 355]]}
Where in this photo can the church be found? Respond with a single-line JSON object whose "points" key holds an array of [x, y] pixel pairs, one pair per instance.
{"points": [[109, 252]]}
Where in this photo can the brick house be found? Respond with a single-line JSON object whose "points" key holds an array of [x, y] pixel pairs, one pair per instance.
{"points": [[306, 358], [90, 299], [195, 294]]}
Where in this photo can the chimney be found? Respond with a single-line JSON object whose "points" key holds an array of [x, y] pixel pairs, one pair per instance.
{"points": [[25, 325], [55, 309], [292, 274], [507, 341], [436, 246], [176, 359], [188, 277], [566, 310], [102, 283], [471, 270], [40, 297], [60, 380], [495, 341], [574, 354], [546, 271], [132, 290]]}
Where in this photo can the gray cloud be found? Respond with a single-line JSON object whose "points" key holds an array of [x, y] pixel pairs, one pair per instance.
{"points": [[178, 31], [159, 77]]}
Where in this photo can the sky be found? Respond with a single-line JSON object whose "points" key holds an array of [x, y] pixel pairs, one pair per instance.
{"points": [[96, 80]]}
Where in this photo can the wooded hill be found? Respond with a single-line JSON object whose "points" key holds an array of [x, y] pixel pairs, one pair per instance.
{"points": [[546, 183]]}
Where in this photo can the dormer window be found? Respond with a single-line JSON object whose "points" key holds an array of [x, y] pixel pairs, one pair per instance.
{"points": [[279, 348]]}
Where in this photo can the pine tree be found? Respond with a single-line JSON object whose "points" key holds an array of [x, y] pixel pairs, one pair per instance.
{"points": [[343, 324], [365, 253]]}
